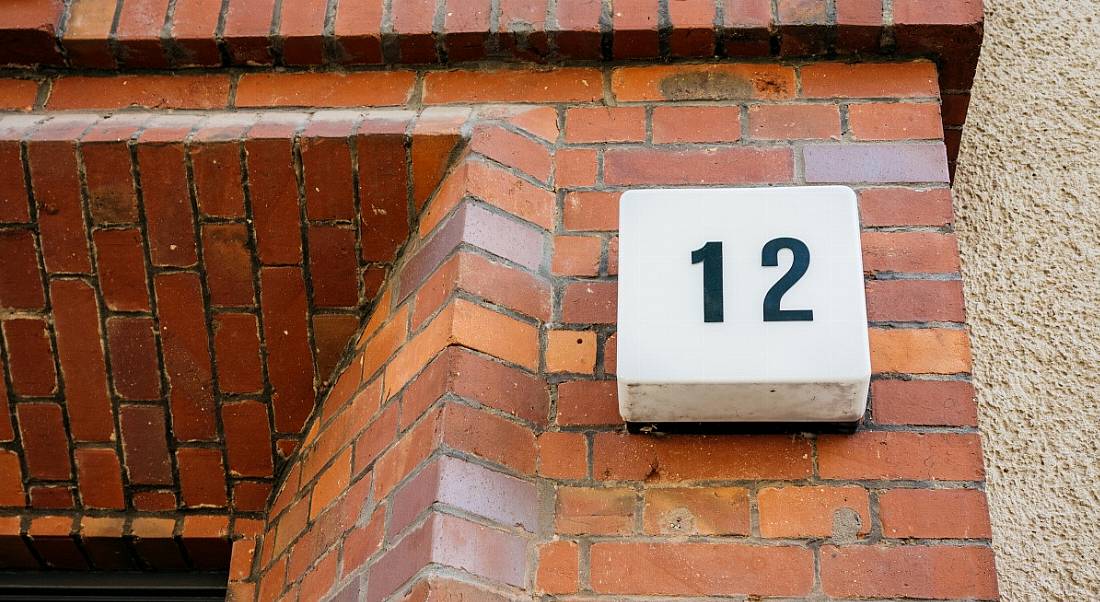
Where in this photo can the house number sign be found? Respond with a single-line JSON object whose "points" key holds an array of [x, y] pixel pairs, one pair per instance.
{"points": [[741, 305]]}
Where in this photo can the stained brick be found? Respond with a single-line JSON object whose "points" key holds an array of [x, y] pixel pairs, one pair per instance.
{"points": [[148, 91], [11, 480], [86, 35], [57, 199], [789, 512], [513, 150], [358, 29], [121, 265], [490, 437], [186, 356], [727, 81], [194, 23], [327, 174], [14, 205], [237, 350], [134, 359], [558, 568], [111, 196], [382, 194], [301, 26], [692, 28], [705, 511]]}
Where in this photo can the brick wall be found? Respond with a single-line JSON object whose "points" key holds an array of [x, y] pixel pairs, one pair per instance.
{"points": [[471, 446]]}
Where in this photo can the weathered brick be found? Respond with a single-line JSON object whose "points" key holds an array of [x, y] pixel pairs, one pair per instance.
{"points": [[564, 84], [870, 80], [587, 402], [590, 302], [247, 439], [673, 124], [57, 198], [217, 179], [274, 190], [575, 167], [728, 81], [193, 26], [327, 175], [940, 572], [903, 207], [570, 351], [915, 252], [558, 568], [591, 211], [14, 204], [704, 511], [237, 349], [11, 480], [898, 455], [358, 29], [490, 437], [838, 512], [285, 323], [167, 205], [111, 196], [138, 31], [513, 150], [202, 477], [691, 569], [30, 356], [333, 266], [786, 122], [563, 455], [201, 92]]}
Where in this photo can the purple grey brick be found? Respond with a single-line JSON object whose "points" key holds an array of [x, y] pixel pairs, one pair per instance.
{"points": [[846, 163]]}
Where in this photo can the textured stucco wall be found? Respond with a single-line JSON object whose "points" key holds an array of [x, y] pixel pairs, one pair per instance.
{"points": [[1028, 199]]}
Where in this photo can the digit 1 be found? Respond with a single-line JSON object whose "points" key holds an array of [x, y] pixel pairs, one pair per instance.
{"points": [[710, 255]]}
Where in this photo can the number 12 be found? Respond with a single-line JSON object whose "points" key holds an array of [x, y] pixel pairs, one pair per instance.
{"points": [[710, 255]]}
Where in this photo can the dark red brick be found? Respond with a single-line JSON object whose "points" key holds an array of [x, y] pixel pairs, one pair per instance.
{"points": [[144, 445], [11, 480], [382, 194], [193, 26], [228, 259], [99, 478], [154, 501], [186, 356], [121, 266], [247, 31], [80, 352], [14, 203], [57, 197], [247, 439], [358, 29], [301, 26], [167, 204], [327, 174], [274, 189], [217, 178], [20, 280], [202, 477], [111, 196], [134, 358], [590, 302], [237, 350], [45, 445], [285, 314], [30, 357], [333, 266]]}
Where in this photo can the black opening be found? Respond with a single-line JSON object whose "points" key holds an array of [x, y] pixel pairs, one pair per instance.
{"points": [[109, 586]]}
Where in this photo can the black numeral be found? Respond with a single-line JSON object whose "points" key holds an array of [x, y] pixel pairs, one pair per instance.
{"points": [[710, 255], [770, 258]]}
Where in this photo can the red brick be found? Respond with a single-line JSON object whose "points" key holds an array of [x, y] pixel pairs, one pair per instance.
{"points": [[591, 211], [718, 81], [167, 205], [30, 356], [924, 402], [589, 511], [610, 354], [575, 167], [937, 11], [718, 165], [247, 439], [605, 124], [331, 333], [275, 210], [897, 455], [692, 28], [908, 572], [513, 150], [144, 446], [237, 349], [14, 205], [917, 252], [859, 12], [903, 207], [634, 23], [588, 402], [590, 302], [57, 197], [100, 478], [801, 11], [613, 256], [301, 26], [111, 196], [217, 179], [920, 351], [249, 496], [564, 84], [283, 298], [785, 122], [45, 446], [576, 255], [18, 94], [186, 356], [148, 91], [934, 514], [331, 89], [134, 363], [895, 121], [383, 195], [558, 569], [412, 22], [619, 457], [320, 578], [578, 34], [708, 569], [138, 33], [915, 301], [51, 497], [705, 511], [20, 280], [333, 266], [466, 29], [789, 512], [154, 501], [87, 33], [193, 28], [331, 483], [563, 455], [121, 266], [358, 29], [80, 353], [673, 124], [11, 480], [7, 431], [570, 351], [525, 20], [247, 31], [870, 80], [327, 174], [487, 436], [202, 477], [228, 260]]}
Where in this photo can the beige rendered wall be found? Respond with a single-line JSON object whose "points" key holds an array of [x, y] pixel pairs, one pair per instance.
{"points": [[1029, 224]]}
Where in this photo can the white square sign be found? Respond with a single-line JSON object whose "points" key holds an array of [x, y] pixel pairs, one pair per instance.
{"points": [[741, 305]]}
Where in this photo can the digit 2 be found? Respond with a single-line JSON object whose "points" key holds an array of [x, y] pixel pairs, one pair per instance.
{"points": [[770, 258]]}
